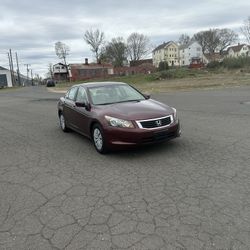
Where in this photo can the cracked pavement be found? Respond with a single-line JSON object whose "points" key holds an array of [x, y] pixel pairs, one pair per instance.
{"points": [[57, 192]]}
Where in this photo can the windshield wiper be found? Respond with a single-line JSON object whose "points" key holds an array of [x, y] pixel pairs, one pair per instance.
{"points": [[108, 103], [135, 100]]}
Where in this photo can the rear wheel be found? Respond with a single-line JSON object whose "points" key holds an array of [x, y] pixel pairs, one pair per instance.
{"points": [[63, 123], [98, 139]]}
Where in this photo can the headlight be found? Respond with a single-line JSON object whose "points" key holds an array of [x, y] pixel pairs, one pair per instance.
{"points": [[175, 114], [116, 122]]}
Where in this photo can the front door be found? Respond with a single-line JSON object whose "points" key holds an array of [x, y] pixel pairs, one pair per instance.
{"points": [[82, 115]]}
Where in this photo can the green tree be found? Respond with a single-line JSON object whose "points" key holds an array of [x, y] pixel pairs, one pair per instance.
{"points": [[115, 52]]}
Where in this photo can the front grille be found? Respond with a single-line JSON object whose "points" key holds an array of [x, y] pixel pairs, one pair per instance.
{"points": [[155, 123]]}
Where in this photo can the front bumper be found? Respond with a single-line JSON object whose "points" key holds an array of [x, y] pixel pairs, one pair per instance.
{"points": [[121, 137]]}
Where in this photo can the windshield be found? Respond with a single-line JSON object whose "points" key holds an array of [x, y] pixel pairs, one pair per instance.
{"points": [[110, 94]]}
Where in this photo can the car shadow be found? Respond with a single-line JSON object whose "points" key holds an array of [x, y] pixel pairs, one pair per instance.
{"points": [[158, 149]]}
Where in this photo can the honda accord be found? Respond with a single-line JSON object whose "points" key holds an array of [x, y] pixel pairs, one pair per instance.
{"points": [[115, 115]]}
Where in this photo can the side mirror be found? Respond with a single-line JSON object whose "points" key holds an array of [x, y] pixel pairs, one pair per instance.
{"points": [[85, 105], [147, 96], [80, 104]]}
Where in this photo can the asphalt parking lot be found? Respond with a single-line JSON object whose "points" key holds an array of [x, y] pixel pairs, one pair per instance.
{"points": [[57, 192]]}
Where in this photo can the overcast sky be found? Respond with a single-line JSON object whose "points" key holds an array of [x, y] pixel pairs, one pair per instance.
{"points": [[31, 28]]}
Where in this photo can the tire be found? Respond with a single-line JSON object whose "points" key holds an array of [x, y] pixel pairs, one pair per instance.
{"points": [[98, 139], [63, 123]]}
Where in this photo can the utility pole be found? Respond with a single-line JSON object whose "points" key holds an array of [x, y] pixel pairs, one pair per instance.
{"points": [[18, 71], [31, 72], [27, 67], [11, 68]]}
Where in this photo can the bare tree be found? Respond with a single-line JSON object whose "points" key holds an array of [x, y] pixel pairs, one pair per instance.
{"points": [[62, 51], [227, 37], [215, 39], [138, 45], [184, 39], [50, 71], [38, 79], [245, 29], [96, 40], [115, 52], [200, 37], [208, 40]]}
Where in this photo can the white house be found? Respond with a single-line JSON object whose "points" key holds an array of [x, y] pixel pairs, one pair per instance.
{"points": [[166, 52], [238, 50], [18, 79], [189, 52], [5, 77], [59, 68], [60, 71]]}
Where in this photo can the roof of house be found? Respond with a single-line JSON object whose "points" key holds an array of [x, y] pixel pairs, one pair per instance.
{"points": [[214, 56], [2, 68], [185, 46], [59, 64], [238, 47], [162, 46]]}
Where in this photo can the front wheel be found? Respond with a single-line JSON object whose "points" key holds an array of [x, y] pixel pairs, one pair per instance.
{"points": [[63, 123], [98, 139]]}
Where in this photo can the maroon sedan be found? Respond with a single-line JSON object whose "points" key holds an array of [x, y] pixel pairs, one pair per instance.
{"points": [[115, 115]]}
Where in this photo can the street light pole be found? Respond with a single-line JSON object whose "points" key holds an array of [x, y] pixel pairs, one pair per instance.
{"points": [[27, 67]]}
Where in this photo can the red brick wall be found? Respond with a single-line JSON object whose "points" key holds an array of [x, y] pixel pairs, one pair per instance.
{"points": [[142, 69]]}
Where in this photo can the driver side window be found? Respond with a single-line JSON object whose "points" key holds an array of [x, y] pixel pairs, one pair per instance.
{"points": [[81, 95], [71, 93]]}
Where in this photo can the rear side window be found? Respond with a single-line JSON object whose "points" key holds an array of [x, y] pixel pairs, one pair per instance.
{"points": [[71, 93]]}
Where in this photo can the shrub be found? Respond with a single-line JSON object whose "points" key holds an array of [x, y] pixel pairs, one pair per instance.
{"points": [[214, 65], [163, 66], [236, 63]]}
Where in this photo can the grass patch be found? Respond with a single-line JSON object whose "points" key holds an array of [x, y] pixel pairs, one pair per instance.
{"points": [[9, 89], [176, 79]]}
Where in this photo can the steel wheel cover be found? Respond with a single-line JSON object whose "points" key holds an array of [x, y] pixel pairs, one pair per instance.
{"points": [[62, 122], [98, 139]]}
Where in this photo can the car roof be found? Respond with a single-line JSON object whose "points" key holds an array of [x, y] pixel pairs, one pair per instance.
{"points": [[99, 84]]}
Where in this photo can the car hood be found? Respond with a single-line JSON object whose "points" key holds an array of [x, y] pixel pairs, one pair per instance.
{"points": [[146, 109]]}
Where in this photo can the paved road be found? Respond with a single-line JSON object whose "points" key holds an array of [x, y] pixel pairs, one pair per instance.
{"points": [[191, 193]]}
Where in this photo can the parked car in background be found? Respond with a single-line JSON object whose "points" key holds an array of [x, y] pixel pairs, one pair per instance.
{"points": [[50, 83], [115, 115]]}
